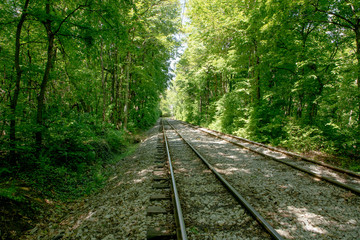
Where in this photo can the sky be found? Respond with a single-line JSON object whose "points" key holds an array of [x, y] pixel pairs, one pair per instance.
{"points": [[179, 36]]}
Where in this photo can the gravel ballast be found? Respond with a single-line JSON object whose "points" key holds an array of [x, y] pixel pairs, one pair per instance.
{"points": [[116, 212], [306, 165], [298, 206], [210, 211]]}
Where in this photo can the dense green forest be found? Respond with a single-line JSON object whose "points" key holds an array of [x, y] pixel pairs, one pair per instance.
{"points": [[77, 80], [281, 72]]}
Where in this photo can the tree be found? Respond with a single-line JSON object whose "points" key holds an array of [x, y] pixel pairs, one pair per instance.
{"points": [[285, 65], [14, 100], [346, 16], [107, 60]]}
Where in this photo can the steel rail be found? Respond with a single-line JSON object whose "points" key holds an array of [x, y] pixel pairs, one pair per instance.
{"points": [[351, 173], [274, 234], [330, 180], [181, 229]]}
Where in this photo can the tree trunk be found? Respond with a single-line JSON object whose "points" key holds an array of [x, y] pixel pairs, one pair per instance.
{"points": [[216, 86], [103, 87], [46, 77], [300, 106], [289, 108], [119, 93], [14, 100], [257, 79], [127, 89], [114, 87], [357, 34], [200, 105]]}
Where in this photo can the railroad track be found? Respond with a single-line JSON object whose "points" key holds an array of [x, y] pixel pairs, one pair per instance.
{"points": [[339, 177], [163, 192], [216, 210], [298, 205]]}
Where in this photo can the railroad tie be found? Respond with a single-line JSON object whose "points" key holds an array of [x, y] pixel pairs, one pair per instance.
{"points": [[161, 186], [160, 161], [158, 197], [159, 233], [158, 178], [152, 210]]}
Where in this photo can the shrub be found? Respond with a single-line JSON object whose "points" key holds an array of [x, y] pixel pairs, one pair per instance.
{"points": [[304, 138], [72, 161], [116, 140]]}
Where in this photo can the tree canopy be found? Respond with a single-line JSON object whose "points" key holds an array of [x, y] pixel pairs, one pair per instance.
{"points": [[275, 71], [76, 77]]}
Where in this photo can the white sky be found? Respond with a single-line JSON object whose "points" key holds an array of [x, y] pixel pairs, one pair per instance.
{"points": [[179, 36]]}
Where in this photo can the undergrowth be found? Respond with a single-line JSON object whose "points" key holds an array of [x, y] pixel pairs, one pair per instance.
{"points": [[74, 162], [326, 142]]}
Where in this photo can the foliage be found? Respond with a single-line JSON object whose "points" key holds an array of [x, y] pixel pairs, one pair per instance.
{"points": [[279, 72], [73, 163], [77, 76], [77, 80], [304, 138]]}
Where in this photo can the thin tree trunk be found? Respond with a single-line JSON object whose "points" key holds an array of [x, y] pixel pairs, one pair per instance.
{"points": [[357, 33], [300, 106], [289, 107], [114, 72], [257, 79], [115, 90], [46, 77], [103, 80], [127, 89], [216, 85], [14, 100], [249, 67], [119, 97], [200, 105], [116, 101], [29, 80]]}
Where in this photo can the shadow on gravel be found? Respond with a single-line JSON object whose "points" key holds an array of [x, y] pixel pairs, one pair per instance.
{"points": [[297, 206]]}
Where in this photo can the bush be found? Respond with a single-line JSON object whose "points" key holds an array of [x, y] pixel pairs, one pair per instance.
{"points": [[116, 140], [72, 161], [305, 138], [266, 125], [68, 144]]}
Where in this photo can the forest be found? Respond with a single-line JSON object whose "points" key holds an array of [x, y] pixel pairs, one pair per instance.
{"points": [[78, 80], [285, 73]]}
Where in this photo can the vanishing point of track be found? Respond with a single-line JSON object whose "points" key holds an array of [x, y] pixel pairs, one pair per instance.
{"points": [[179, 219]]}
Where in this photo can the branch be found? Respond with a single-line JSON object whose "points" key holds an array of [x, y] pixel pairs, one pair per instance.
{"points": [[106, 21], [64, 20], [338, 16], [151, 6], [332, 56], [147, 9], [336, 23], [71, 35], [340, 24], [309, 29], [62, 48], [280, 68], [30, 42]]}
